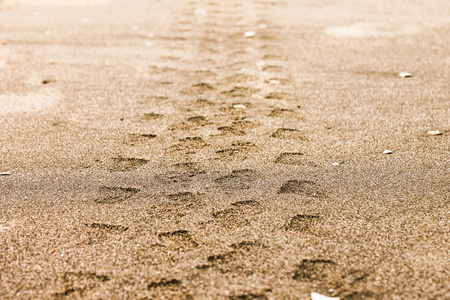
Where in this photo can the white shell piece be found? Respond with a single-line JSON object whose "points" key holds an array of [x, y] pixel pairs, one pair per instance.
{"points": [[249, 34], [387, 152], [434, 132], [404, 74]]}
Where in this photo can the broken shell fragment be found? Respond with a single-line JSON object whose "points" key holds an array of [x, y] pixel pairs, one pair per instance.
{"points": [[435, 132], [249, 34], [274, 81], [404, 74], [239, 106], [317, 296], [387, 152], [5, 173]]}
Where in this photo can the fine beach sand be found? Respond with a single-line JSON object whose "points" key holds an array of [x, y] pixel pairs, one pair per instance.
{"points": [[156, 152]]}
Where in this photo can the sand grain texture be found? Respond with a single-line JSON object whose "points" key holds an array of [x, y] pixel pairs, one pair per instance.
{"points": [[152, 155]]}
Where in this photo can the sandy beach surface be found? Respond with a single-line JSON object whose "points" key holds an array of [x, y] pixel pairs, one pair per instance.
{"points": [[208, 149]]}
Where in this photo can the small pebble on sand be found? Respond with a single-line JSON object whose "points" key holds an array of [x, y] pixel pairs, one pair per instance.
{"points": [[387, 152], [274, 81], [239, 106], [317, 296], [404, 74], [434, 132], [249, 34], [335, 164]]}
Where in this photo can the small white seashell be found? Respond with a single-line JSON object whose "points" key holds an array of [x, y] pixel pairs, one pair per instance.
{"points": [[387, 152], [317, 296], [335, 164], [201, 11], [274, 81], [239, 106], [404, 74], [435, 132], [5, 174], [249, 34]]}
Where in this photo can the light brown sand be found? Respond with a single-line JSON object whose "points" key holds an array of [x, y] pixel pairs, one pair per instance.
{"points": [[152, 158]]}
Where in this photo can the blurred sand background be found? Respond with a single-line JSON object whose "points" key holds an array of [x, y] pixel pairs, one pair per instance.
{"points": [[156, 152]]}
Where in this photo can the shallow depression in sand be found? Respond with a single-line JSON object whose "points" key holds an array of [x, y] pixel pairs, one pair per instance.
{"points": [[29, 103]]}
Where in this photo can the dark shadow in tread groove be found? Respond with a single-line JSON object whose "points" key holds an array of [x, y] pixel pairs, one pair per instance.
{"points": [[126, 164], [314, 270], [115, 194], [108, 227], [164, 283], [302, 223], [301, 187]]}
